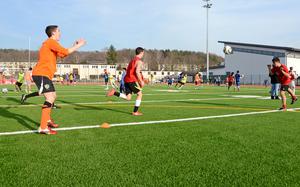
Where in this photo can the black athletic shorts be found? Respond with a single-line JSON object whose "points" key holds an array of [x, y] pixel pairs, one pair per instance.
{"points": [[44, 84], [132, 87], [284, 88], [19, 84], [181, 82]]}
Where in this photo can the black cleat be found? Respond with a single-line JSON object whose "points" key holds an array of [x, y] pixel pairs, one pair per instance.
{"points": [[56, 106], [294, 100]]}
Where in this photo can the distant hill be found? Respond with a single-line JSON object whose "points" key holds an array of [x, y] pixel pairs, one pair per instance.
{"points": [[155, 59]]}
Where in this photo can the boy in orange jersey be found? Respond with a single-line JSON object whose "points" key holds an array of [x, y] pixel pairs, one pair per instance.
{"points": [[134, 81], [28, 80], [43, 73]]}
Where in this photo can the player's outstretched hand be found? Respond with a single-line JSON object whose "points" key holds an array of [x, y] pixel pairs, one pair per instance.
{"points": [[80, 42]]}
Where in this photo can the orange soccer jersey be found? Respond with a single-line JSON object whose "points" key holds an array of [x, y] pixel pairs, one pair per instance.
{"points": [[48, 54]]}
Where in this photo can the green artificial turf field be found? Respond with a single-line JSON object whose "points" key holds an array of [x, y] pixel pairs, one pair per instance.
{"points": [[257, 148]]}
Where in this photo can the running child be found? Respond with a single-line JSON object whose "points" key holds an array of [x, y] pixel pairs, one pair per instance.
{"points": [[230, 80], [170, 82], [293, 78], [20, 81], [197, 80], [237, 77], [112, 81], [134, 81], [182, 81], [28, 80], [106, 77], [122, 81], [285, 79]]}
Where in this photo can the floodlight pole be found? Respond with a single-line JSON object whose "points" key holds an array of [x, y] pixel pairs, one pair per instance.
{"points": [[207, 6], [29, 49]]}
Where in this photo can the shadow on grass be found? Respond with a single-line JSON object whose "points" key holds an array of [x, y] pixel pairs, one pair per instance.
{"points": [[13, 99], [86, 107], [21, 119], [229, 105]]}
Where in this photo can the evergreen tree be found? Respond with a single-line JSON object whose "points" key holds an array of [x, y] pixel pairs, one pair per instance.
{"points": [[111, 55]]}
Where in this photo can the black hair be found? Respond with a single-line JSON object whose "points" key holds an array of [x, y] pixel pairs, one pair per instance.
{"points": [[50, 29], [124, 68], [139, 50], [237, 71], [30, 68], [275, 59]]}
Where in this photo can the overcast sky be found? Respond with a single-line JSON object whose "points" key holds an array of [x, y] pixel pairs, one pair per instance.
{"points": [[159, 24]]}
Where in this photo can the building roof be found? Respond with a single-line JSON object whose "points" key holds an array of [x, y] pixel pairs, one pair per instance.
{"points": [[291, 49]]}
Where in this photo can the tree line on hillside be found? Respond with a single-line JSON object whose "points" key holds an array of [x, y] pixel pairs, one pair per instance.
{"points": [[155, 59]]}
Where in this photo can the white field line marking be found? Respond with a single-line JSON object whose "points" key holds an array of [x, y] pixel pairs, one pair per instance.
{"points": [[103, 95], [119, 102], [150, 122]]}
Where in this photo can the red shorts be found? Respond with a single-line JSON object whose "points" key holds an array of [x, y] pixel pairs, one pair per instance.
{"points": [[230, 83]]}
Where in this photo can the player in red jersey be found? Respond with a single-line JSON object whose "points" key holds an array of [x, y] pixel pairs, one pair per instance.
{"points": [[134, 81], [230, 80], [285, 79]]}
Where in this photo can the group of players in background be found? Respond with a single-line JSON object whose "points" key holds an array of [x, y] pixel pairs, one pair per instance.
{"points": [[131, 82]]}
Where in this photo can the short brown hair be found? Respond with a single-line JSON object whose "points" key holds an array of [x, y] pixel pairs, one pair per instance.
{"points": [[139, 50], [275, 59], [50, 29]]}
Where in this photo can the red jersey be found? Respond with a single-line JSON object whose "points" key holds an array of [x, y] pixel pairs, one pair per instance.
{"points": [[230, 78], [284, 80], [131, 75]]}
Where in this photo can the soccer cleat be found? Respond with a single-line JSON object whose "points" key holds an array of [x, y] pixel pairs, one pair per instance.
{"points": [[283, 108], [54, 106], [294, 100], [47, 131], [51, 124], [137, 113], [23, 98], [111, 93]]}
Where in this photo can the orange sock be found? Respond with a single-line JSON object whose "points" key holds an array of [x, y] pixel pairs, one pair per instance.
{"points": [[46, 111]]}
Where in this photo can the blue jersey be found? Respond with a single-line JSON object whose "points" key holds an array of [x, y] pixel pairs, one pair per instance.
{"points": [[106, 77], [123, 77], [237, 77]]}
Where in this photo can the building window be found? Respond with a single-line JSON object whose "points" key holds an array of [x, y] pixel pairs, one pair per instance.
{"points": [[260, 52]]}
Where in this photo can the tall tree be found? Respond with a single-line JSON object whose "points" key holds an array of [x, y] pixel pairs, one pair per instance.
{"points": [[111, 55]]}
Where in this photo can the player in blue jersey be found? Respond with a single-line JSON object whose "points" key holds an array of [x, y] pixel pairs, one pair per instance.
{"points": [[237, 77]]}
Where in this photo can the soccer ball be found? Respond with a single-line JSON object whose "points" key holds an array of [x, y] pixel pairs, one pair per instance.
{"points": [[4, 90], [227, 50]]}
